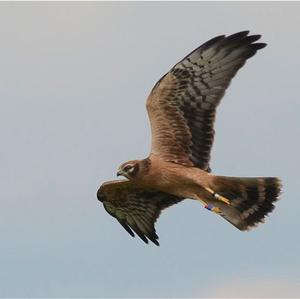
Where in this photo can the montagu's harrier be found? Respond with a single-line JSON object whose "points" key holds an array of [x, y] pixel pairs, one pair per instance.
{"points": [[182, 109]]}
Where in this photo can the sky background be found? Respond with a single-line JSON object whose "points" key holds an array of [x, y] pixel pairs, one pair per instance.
{"points": [[74, 78]]}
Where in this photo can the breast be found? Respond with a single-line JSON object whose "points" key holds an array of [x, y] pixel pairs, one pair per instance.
{"points": [[170, 178]]}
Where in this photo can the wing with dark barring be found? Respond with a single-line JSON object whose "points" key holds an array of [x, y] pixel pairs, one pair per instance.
{"points": [[182, 104], [136, 209]]}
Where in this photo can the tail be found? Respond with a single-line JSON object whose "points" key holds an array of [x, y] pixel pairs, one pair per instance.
{"points": [[251, 199]]}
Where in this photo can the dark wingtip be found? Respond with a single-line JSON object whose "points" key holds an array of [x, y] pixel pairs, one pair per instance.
{"points": [[252, 38], [153, 238], [238, 35], [143, 238], [259, 46], [156, 242], [242, 38], [127, 228]]}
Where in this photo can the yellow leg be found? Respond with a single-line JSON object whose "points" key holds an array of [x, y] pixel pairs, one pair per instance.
{"points": [[218, 196], [216, 210]]}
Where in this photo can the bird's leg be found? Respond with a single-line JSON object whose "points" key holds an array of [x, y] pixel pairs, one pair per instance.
{"points": [[212, 208], [218, 196]]}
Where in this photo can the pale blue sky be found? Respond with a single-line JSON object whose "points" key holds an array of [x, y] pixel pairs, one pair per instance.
{"points": [[74, 78]]}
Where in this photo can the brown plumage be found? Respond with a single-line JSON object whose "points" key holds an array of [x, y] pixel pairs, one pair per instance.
{"points": [[182, 109]]}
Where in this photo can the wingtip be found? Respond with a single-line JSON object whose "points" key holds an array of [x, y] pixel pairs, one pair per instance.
{"points": [[156, 243], [127, 228], [259, 46], [243, 37], [239, 34]]}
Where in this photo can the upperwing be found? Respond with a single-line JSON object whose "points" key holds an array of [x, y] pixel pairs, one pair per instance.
{"points": [[182, 104]]}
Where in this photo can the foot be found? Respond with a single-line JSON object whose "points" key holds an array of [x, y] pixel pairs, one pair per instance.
{"points": [[212, 208]]}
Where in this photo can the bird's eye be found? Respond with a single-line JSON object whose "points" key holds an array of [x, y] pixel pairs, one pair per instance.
{"points": [[127, 167]]}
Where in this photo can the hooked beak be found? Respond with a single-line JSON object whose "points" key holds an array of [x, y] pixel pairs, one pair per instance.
{"points": [[120, 172]]}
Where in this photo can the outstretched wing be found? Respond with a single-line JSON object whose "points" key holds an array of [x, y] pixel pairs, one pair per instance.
{"points": [[135, 208], [182, 104]]}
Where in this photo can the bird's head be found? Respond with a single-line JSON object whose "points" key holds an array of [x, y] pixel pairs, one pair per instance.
{"points": [[129, 169]]}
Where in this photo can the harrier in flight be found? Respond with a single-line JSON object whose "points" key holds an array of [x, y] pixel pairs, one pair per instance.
{"points": [[182, 110]]}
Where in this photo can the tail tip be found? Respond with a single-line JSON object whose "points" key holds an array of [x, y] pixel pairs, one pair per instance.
{"points": [[270, 193]]}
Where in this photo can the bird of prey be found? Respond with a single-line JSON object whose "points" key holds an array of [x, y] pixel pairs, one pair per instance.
{"points": [[182, 110]]}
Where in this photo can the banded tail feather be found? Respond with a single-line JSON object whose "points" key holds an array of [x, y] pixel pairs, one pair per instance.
{"points": [[251, 199]]}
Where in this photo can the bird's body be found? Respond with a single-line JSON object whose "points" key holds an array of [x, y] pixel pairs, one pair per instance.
{"points": [[182, 109], [169, 177]]}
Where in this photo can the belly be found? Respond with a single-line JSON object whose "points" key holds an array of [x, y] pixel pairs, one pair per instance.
{"points": [[174, 180]]}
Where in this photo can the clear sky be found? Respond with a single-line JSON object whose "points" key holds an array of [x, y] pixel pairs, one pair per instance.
{"points": [[74, 78]]}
